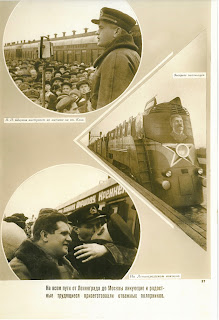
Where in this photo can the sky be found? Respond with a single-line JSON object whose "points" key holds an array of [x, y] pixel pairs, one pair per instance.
{"points": [[192, 92], [53, 186], [46, 17]]}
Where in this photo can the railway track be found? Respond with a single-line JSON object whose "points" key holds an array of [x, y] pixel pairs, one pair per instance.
{"points": [[192, 220]]}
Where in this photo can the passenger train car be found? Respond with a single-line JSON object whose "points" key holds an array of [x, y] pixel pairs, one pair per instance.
{"points": [[67, 49], [147, 149], [112, 198]]}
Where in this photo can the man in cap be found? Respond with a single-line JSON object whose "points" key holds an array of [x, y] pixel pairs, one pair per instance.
{"points": [[66, 87], [33, 95], [97, 259], [43, 257], [48, 74], [117, 65]]}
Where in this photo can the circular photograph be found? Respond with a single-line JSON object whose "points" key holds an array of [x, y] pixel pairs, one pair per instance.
{"points": [[70, 222], [73, 56]]}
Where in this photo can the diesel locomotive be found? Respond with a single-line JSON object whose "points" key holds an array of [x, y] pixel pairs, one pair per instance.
{"points": [[157, 149]]}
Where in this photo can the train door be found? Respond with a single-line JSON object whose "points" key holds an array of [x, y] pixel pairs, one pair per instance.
{"points": [[88, 57], [83, 56], [94, 55], [65, 56], [59, 55], [70, 60], [125, 208], [18, 53], [78, 56]]}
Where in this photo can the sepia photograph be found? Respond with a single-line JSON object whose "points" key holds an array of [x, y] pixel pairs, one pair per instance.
{"points": [[108, 159], [93, 235]]}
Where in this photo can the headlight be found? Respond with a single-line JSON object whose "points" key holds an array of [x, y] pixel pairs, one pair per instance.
{"points": [[166, 185], [182, 150], [168, 174], [200, 171]]}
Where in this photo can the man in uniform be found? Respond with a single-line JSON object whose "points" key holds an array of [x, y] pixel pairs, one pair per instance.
{"points": [[100, 258], [117, 65], [43, 257]]}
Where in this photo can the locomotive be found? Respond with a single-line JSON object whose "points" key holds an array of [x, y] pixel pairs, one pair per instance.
{"points": [[156, 148], [67, 49]]}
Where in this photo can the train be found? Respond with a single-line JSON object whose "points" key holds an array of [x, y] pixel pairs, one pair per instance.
{"points": [[156, 148], [67, 49], [111, 198]]}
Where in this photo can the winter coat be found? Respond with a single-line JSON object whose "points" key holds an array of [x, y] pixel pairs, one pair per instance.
{"points": [[113, 265], [12, 237], [33, 263], [115, 69]]}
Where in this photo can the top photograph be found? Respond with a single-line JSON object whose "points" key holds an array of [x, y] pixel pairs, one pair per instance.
{"points": [[73, 57]]}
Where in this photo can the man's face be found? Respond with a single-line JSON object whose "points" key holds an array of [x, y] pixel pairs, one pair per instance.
{"points": [[84, 88], [58, 92], [66, 89], [105, 34], [48, 75], [177, 125], [47, 87], [33, 74], [86, 230], [62, 70], [18, 82], [40, 69], [58, 242]]}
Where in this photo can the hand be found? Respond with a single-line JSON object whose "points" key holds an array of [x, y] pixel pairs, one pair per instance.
{"points": [[89, 251]]}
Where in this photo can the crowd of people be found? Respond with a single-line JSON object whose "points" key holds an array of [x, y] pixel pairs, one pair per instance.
{"points": [[87, 244], [67, 87], [79, 88]]}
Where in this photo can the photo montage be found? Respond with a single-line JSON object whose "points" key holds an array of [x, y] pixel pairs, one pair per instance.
{"points": [[124, 193]]}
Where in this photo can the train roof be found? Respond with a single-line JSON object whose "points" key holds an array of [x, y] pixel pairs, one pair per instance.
{"points": [[64, 40], [104, 185], [174, 107]]}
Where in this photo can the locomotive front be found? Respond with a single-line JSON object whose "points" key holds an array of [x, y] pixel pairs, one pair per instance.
{"points": [[175, 174]]}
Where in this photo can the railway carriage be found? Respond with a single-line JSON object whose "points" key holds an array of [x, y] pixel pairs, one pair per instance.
{"points": [[80, 48], [67, 49]]}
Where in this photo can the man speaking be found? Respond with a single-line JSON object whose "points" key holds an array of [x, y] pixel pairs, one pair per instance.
{"points": [[117, 65]]}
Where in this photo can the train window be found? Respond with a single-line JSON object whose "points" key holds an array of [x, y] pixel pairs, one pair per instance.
{"points": [[133, 131], [70, 60], [65, 57], [120, 130], [59, 55], [124, 131], [129, 126]]}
